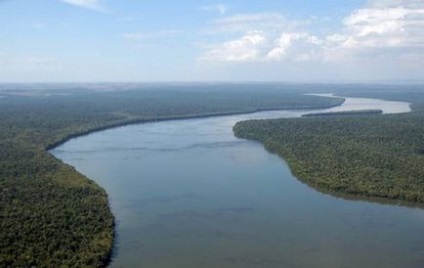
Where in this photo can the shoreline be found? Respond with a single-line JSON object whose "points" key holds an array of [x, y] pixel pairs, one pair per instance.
{"points": [[350, 196], [136, 121], [385, 201]]}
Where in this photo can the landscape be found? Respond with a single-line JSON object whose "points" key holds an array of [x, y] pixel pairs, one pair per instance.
{"points": [[65, 218], [205, 134]]}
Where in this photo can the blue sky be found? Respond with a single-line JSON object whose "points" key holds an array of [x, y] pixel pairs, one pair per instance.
{"points": [[234, 40]]}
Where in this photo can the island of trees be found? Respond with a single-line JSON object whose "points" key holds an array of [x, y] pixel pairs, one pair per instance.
{"points": [[341, 113], [368, 155]]}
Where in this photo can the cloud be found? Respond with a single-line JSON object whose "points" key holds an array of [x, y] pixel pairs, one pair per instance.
{"points": [[300, 46], [246, 48], [219, 8], [395, 3], [259, 37], [259, 46], [385, 27], [391, 30], [381, 31], [89, 4]]}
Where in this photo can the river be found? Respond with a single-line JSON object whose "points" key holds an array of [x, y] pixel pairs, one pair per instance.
{"points": [[187, 193]]}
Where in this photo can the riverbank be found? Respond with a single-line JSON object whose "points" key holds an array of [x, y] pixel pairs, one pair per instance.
{"points": [[345, 113], [54, 196], [136, 121], [163, 180], [374, 156]]}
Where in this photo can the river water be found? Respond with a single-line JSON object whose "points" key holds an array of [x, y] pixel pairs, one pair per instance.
{"points": [[187, 193]]}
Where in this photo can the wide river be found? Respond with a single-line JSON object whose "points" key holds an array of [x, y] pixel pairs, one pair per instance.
{"points": [[188, 194]]}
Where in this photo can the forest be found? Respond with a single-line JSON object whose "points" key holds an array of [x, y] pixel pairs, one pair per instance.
{"points": [[53, 216], [341, 113], [378, 156]]}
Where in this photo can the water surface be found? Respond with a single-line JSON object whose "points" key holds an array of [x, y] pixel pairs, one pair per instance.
{"points": [[188, 194]]}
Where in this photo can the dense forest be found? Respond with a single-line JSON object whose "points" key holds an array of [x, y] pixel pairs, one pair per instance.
{"points": [[52, 216], [368, 155], [341, 113]]}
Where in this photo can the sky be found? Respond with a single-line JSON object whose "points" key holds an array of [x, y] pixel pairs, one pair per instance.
{"points": [[228, 40]]}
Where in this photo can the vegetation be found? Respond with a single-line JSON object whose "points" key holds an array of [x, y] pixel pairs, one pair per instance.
{"points": [[360, 112], [52, 216], [367, 155]]}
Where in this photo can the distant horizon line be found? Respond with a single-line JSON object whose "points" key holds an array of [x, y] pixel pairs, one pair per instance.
{"points": [[377, 82]]}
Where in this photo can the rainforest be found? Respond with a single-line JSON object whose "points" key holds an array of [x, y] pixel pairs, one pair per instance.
{"points": [[51, 215]]}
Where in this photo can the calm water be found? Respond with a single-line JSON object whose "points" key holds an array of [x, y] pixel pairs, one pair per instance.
{"points": [[189, 194]]}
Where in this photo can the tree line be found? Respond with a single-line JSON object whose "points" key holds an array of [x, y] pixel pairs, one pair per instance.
{"points": [[53, 216], [367, 155]]}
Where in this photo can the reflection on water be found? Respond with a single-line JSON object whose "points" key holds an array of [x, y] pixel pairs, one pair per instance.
{"points": [[189, 194]]}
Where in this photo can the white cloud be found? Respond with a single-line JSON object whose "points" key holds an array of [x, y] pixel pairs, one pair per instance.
{"points": [[384, 30], [90, 4], [385, 27], [256, 37], [260, 46], [381, 34], [298, 41], [219, 8], [279, 38], [246, 48], [395, 3]]}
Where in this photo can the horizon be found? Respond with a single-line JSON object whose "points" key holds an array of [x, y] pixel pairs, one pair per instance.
{"points": [[188, 83], [217, 82]]}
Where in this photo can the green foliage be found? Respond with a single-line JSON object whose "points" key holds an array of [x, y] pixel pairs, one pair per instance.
{"points": [[52, 216], [367, 155], [341, 113]]}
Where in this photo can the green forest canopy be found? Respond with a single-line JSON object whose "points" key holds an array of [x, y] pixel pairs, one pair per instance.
{"points": [[362, 155], [53, 216]]}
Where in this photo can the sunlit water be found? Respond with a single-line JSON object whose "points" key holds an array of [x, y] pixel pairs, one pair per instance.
{"points": [[188, 194]]}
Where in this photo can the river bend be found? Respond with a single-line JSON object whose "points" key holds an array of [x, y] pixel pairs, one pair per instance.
{"points": [[187, 193]]}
